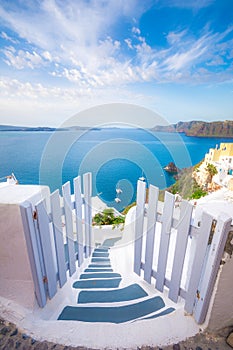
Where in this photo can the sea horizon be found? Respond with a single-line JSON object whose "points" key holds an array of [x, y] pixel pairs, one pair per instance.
{"points": [[116, 157]]}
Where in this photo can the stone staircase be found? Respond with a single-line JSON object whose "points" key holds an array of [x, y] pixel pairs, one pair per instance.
{"points": [[101, 299]]}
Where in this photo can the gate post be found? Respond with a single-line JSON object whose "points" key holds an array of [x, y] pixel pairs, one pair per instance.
{"points": [[139, 222]]}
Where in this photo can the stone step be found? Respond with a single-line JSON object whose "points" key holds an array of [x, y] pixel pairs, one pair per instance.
{"points": [[97, 275], [99, 265], [111, 314], [100, 255], [97, 283], [132, 292], [98, 270], [100, 260]]}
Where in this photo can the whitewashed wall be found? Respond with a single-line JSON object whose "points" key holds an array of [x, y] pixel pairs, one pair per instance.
{"points": [[16, 281], [221, 314]]}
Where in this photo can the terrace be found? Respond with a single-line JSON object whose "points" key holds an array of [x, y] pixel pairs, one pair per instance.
{"points": [[65, 281]]}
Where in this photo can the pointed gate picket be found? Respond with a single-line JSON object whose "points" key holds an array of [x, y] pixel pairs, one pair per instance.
{"points": [[69, 227], [55, 239], [78, 213], [56, 213], [204, 258]]}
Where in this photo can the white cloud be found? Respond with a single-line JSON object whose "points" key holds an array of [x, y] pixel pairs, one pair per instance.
{"points": [[181, 60], [77, 43], [5, 36], [218, 61], [47, 55], [129, 43], [175, 37], [22, 59], [136, 30], [43, 105]]}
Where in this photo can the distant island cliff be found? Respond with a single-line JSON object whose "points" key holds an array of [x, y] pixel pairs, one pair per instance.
{"points": [[200, 128], [222, 129]]}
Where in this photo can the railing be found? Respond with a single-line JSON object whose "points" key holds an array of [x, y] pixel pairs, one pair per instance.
{"points": [[57, 236], [178, 255], [173, 253]]}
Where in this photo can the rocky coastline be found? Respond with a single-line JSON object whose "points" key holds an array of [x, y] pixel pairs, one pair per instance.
{"points": [[200, 128]]}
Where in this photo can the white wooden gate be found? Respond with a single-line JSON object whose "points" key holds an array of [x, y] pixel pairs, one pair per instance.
{"points": [[58, 236], [180, 256]]}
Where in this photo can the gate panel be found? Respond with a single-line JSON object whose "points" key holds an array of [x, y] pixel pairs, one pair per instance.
{"points": [[44, 233], [201, 246], [33, 252], [212, 266]]}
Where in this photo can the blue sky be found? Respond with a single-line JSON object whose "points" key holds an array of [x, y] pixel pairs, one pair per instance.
{"points": [[61, 57]]}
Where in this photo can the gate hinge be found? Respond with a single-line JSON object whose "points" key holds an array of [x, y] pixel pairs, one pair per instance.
{"points": [[34, 215], [198, 295], [45, 279]]}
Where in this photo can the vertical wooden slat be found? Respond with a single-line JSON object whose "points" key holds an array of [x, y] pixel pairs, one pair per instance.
{"points": [[44, 232], [87, 182], [139, 221], [212, 266], [151, 226], [58, 236], [199, 256], [69, 227], [180, 249], [165, 239], [78, 211], [33, 253]]}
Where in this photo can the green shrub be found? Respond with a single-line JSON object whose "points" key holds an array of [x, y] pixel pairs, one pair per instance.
{"points": [[198, 193], [107, 217]]}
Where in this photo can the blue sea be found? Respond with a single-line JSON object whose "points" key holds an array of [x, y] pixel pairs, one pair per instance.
{"points": [[116, 157]]}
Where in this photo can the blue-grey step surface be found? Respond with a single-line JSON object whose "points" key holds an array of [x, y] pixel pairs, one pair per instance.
{"points": [[98, 283], [100, 260], [134, 291], [100, 255], [98, 275], [99, 265], [111, 314], [110, 242], [101, 250], [98, 270], [162, 313]]}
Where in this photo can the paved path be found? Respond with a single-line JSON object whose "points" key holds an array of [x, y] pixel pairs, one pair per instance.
{"points": [[11, 338], [102, 299]]}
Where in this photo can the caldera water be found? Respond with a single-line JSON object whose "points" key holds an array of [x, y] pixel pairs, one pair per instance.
{"points": [[116, 157]]}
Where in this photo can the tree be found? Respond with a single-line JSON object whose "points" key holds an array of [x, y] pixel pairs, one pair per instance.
{"points": [[212, 170]]}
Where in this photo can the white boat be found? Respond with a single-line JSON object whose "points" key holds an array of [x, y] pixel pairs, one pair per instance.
{"points": [[117, 200], [142, 178]]}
